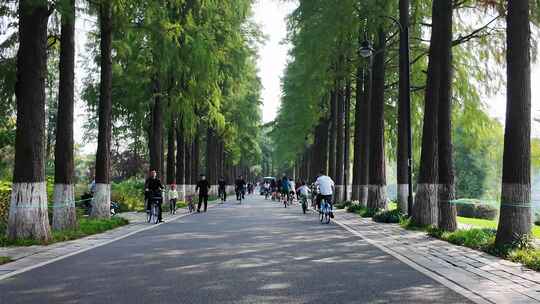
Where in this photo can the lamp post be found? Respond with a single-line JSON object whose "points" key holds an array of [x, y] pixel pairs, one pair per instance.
{"points": [[366, 51]]}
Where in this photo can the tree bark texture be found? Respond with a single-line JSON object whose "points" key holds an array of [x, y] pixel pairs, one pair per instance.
{"points": [[28, 209], [377, 162], [171, 157], [347, 152], [101, 202], [357, 132], [64, 213], [403, 101], [425, 209], [157, 131], [340, 142], [365, 134], [333, 135], [180, 160], [515, 218], [446, 190]]}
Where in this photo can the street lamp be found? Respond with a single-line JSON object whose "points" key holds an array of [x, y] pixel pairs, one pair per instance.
{"points": [[366, 51]]}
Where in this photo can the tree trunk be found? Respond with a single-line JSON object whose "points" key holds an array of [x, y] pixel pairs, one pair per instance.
{"points": [[340, 142], [377, 163], [102, 197], [28, 210], [333, 135], [447, 211], [188, 163], [171, 159], [515, 218], [347, 152], [358, 132], [425, 211], [365, 134], [403, 101], [211, 157], [157, 131], [64, 215], [195, 149], [180, 160]]}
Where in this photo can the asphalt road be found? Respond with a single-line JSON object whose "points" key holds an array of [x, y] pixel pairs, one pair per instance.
{"points": [[257, 252]]}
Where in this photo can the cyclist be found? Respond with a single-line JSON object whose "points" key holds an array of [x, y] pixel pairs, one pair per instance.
{"points": [[152, 189], [239, 187], [222, 183], [326, 190], [303, 192], [266, 190], [292, 189], [273, 188], [285, 186]]}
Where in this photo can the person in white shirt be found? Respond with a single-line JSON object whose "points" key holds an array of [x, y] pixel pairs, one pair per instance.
{"points": [[173, 196], [326, 189]]}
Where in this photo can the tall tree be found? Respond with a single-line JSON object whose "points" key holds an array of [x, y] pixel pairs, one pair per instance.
{"points": [[64, 215], [171, 148], [28, 210], [425, 211], [515, 217], [364, 136], [377, 160], [180, 159], [155, 142], [340, 140], [332, 143], [446, 189], [359, 86], [102, 197], [347, 134], [403, 101]]}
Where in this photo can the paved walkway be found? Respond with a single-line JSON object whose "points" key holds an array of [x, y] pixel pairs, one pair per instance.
{"points": [[478, 274]]}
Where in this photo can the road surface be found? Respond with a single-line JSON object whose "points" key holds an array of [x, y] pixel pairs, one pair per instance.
{"points": [[257, 252]]}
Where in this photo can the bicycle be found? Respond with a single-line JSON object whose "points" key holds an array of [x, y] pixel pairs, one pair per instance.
{"points": [[190, 204], [239, 196], [303, 199], [153, 215], [325, 211], [222, 195]]}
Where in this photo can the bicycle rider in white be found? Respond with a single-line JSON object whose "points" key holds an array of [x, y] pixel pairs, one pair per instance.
{"points": [[326, 190]]}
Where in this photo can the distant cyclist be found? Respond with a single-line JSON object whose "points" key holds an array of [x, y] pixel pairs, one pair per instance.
{"points": [[222, 183], [285, 189], [152, 191], [326, 190], [240, 185]]}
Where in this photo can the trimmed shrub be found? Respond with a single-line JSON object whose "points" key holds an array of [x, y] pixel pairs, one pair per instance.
{"points": [[5, 195], [476, 210], [388, 216], [343, 205]]}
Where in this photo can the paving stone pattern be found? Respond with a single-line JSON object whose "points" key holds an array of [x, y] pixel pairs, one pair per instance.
{"points": [[494, 279]]}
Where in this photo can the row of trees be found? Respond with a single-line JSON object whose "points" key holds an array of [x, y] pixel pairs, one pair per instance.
{"points": [[450, 75], [178, 74]]}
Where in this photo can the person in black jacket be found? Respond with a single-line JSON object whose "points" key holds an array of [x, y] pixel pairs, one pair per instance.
{"points": [[222, 190], [203, 186], [152, 189]]}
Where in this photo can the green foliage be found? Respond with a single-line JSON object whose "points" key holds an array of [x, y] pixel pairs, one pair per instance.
{"points": [[481, 239], [362, 211], [5, 197], [476, 210], [388, 216], [5, 260], [86, 227], [129, 194], [343, 205]]}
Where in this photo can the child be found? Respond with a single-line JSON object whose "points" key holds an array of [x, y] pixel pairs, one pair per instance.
{"points": [[173, 196], [189, 201], [303, 192]]}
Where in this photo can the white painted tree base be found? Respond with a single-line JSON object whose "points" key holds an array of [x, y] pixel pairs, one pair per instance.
{"points": [[64, 213], [364, 192], [181, 192], [402, 197], [339, 195], [101, 203], [28, 217], [426, 211], [377, 198]]}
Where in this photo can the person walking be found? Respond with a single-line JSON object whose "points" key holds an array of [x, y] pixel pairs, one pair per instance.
{"points": [[222, 191], [203, 186], [173, 196]]}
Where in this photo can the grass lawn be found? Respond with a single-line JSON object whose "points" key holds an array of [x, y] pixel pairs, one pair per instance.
{"points": [[86, 227], [492, 224], [4, 260]]}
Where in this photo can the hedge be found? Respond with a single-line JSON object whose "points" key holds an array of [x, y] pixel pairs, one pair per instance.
{"points": [[476, 210]]}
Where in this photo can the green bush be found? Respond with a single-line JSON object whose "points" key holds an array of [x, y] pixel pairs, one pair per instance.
{"points": [[5, 195], [343, 205], [388, 216], [129, 194], [362, 211], [476, 210], [86, 227], [529, 258], [355, 208]]}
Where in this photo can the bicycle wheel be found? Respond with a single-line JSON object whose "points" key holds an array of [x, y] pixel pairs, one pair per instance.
{"points": [[327, 216], [148, 215], [154, 214], [321, 215]]}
